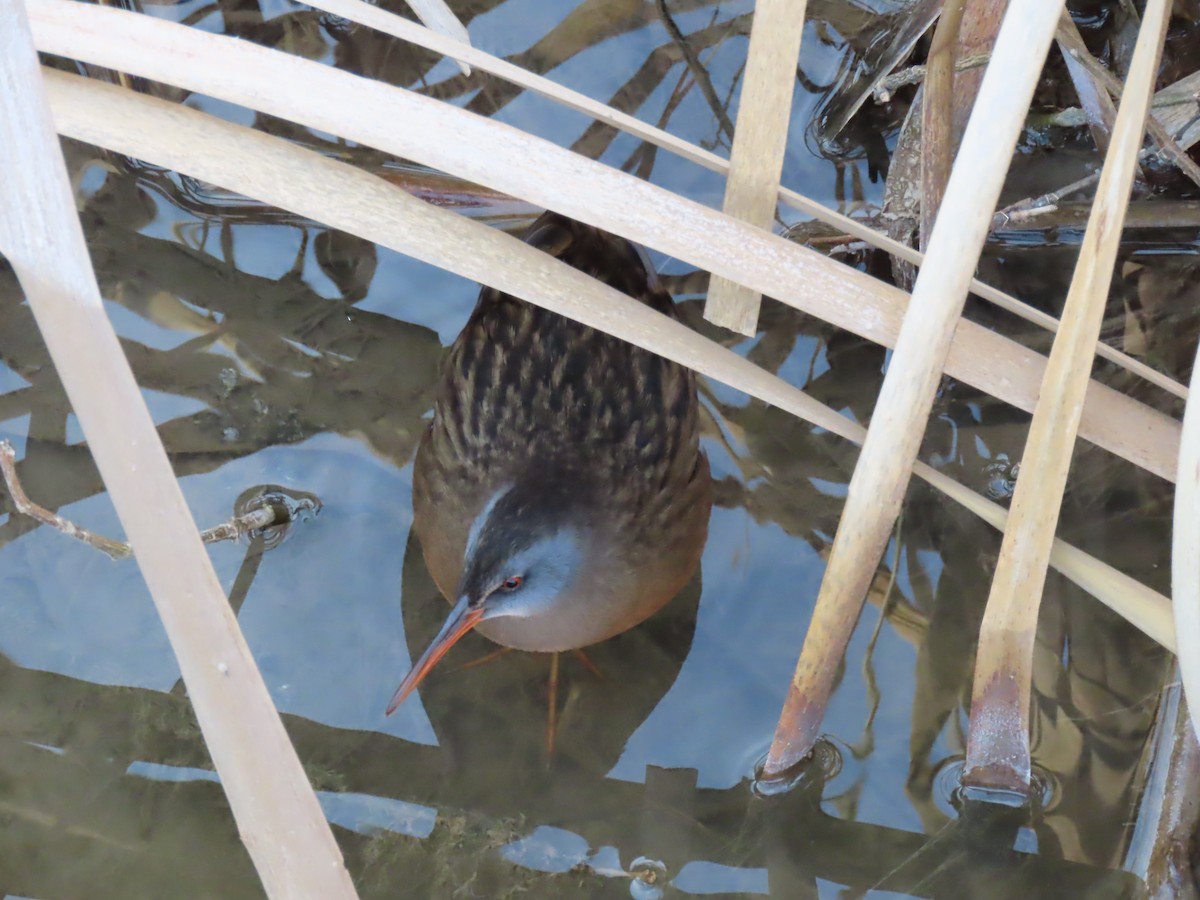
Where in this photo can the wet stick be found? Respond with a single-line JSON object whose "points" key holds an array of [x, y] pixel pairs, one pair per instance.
{"points": [[310, 185], [1174, 124], [239, 526], [937, 115], [882, 92], [21, 503], [1177, 109], [450, 139], [389, 23], [277, 814], [759, 142], [998, 739], [922, 349], [1167, 817], [1093, 98], [1185, 554], [1072, 43]]}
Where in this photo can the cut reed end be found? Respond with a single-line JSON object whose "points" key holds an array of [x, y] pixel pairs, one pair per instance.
{"points": [[795, 735], [733, 306], [998, 739]]}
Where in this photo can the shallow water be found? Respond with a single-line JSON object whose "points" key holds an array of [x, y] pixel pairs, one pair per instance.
{"points": [[273, 351]]}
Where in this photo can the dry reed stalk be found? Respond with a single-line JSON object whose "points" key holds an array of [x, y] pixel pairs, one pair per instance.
{"points": [[937, 115], [389, 23], [440, 18], [977, 35], [1177, 109], [1185, 553], [1145, 609], [759, 142], [277, 813], [296, 179], [881, 475], [491, 153], [1161, 847], [998, 739]]}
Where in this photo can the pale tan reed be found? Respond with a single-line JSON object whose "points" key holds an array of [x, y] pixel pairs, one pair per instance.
{"points": [[490, 153], [389, 23], [998, 740], [922, 352], [343, 197], [1185, 555], [759, 142], [449, 139], [277, 813]]}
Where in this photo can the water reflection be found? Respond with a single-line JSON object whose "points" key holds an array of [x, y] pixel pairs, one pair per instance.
{"points": [[275, 351]]}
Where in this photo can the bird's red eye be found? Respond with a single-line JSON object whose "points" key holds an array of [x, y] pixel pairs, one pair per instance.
{"points": [[512, 582]]}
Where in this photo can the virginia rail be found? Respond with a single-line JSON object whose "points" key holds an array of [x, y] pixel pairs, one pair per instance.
{"points": [[560, 494]]}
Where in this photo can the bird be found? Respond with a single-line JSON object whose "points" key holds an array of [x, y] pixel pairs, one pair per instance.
{"points": [[560, 492]]}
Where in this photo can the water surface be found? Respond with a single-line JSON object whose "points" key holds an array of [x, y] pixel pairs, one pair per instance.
{"points": [[272, 350]]}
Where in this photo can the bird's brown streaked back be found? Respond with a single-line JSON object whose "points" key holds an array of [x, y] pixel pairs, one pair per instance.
{"points": [[563, 460]]}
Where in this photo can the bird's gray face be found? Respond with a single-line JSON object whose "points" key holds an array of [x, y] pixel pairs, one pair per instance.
{"points": [[523, 554], [520, 558]]}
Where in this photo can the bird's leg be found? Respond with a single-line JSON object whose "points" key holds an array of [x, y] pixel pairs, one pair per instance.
{"points": [[587, 663], [552, 715], [486, 658], [552, 712]]}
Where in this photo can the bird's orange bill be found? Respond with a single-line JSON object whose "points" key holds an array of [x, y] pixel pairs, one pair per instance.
{"points": [[462, 619]]}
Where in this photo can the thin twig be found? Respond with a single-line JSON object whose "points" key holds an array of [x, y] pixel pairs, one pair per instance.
{"points": [[916, 74], [269, 511], [26, 507], [268, 515], [1022, 216], [1003, 217], [1141, 214]]}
